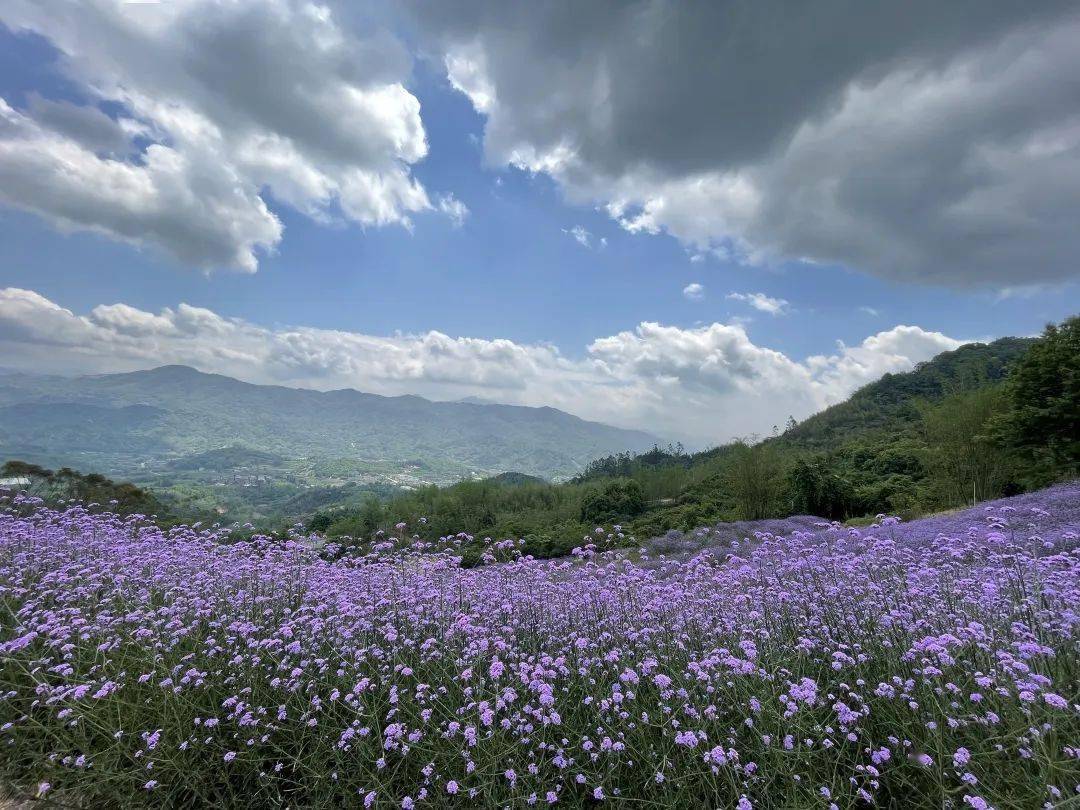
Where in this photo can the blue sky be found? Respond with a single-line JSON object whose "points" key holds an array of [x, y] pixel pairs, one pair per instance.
{"points": [[512, 270]]}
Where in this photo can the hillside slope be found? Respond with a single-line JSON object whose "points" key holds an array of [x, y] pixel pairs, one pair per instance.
{"points": [[890, 403], [874, 452], [882, 410]]}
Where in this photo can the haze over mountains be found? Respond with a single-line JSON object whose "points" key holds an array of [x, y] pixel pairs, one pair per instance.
{"points": [[174, 416]]}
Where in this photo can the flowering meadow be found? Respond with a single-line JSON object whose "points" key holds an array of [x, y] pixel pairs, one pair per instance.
{"points": [[932, 664]]}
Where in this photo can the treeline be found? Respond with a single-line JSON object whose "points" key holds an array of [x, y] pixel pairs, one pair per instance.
{"points": [[976, 423], [65, 484]]}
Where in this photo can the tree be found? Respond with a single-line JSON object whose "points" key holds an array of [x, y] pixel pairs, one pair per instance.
{"points": [[66, 483], [817, 489], [21, 469], [1043, 421], [619, 499], [320, 522], [754, 479], [963, 461]]}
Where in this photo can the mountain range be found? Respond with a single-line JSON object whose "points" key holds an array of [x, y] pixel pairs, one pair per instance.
{"points": [[175, 417]]}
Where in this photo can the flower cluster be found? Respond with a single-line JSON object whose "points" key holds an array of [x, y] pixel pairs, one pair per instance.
{"points": [[932, 663]]}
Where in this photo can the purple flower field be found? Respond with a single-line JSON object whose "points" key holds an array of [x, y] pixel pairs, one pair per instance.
{"points": [[932, 664], [1052, 514]]}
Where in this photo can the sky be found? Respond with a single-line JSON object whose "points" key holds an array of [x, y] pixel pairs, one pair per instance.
{"points": [[693, 219]]}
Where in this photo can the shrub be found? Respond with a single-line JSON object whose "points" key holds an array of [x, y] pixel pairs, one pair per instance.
{"points": [[617, 500]]}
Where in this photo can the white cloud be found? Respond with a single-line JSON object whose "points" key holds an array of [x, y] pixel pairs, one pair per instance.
{"points": [[890, 351], [873, 313], [467, 72], [580, 235], [169, 198], [938, 142], [693, 291], [455, 209], [215, 108], [762, 302], [702, 385]]}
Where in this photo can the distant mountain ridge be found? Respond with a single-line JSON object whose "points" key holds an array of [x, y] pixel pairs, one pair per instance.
{"points": [[120, 422]]}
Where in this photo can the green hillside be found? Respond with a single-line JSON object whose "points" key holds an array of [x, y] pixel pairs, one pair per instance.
{"points": [[964, 426], [893, 401]]}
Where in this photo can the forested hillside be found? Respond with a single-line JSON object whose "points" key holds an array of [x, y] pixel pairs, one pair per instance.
{"points": [[976, 423], [895, 400]]}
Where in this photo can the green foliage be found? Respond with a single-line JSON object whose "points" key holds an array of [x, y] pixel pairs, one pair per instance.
{"points": [[754, 479], [1043, 423], [23, 469], [964, 463], [226, 458], [547, 516], [621, 465], [617, 500], [891, 404], [961, 426], [65, 484], [359, 524], [817, 487], [514, 479], [891, 446]]}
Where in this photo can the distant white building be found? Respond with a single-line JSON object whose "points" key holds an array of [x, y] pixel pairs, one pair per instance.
{"points": [[14, 483]]}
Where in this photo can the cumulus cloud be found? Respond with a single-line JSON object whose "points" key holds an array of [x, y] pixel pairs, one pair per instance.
{"points": [[170, 198], [213, 108], [933, 142], [890, 351], [467, 72], [702, 385], [693, 291]]}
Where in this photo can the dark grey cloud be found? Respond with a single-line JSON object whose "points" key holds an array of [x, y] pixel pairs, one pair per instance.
{"points": [[83, 124], [924, 141]]}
